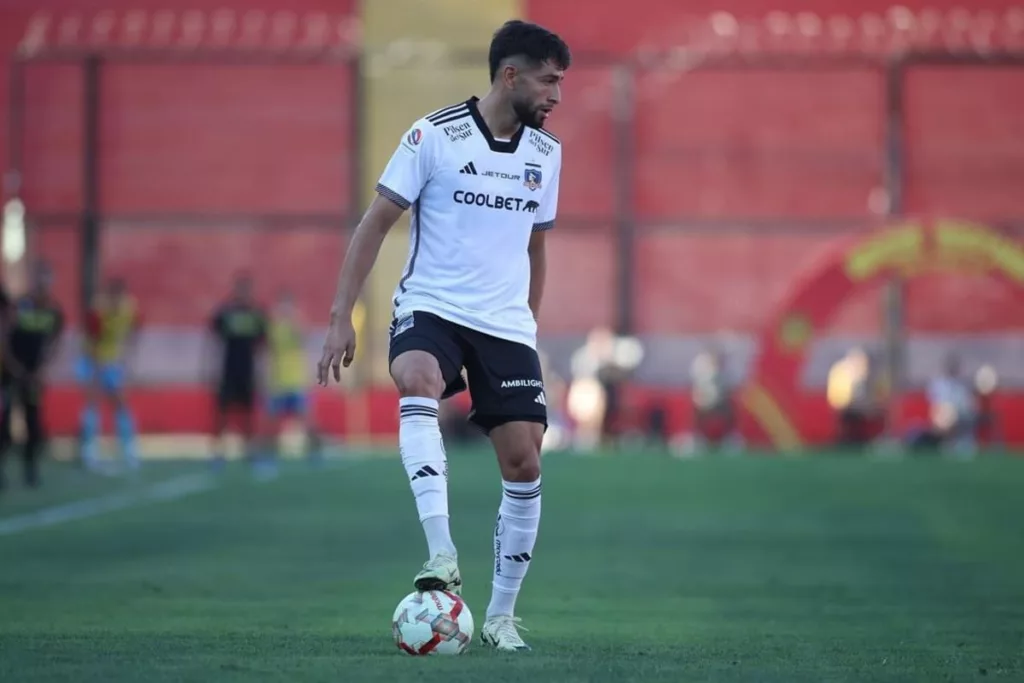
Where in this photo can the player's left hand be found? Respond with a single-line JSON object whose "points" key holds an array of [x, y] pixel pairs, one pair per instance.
{"points": [[339, 349]]}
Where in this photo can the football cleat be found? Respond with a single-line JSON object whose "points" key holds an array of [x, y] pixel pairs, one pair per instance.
{"points": [[502, 633], [440, 573]]}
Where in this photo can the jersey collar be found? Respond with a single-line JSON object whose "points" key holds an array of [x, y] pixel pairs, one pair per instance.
{"points": [[509, 147]]}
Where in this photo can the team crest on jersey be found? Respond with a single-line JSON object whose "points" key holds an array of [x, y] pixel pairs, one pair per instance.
{"points": [[414, 136], [532, 177]]}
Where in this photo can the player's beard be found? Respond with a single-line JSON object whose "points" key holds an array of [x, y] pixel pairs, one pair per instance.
{"points": [[528, 115]]}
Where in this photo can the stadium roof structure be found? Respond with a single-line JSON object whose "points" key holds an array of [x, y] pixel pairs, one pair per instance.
{"points": [[323, 35]]}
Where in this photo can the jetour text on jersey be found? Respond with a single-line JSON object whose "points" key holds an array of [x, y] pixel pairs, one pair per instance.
{"points": [[497, 202]]}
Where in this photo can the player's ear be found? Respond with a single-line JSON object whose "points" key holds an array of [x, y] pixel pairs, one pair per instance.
{"points": [[508, 74]]}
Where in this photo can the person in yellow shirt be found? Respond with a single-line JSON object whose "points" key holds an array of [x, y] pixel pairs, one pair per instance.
{"points": [[109, 336], [289, 372]]}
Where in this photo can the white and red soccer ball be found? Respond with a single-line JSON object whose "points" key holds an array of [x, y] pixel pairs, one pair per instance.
{"points": [[432, 623]]}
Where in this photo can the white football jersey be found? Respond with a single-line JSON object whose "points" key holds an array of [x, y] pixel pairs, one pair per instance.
{"points": [[475, 202]]}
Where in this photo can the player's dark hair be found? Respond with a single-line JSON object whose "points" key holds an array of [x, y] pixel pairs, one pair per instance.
{"points": [[522, 39]]}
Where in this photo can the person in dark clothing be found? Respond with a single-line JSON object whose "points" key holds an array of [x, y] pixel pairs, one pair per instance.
{"points": [[32, 328], [241, 327]]}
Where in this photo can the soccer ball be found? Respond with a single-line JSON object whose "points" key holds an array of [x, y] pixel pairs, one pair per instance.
{"points": [[432, 623]]}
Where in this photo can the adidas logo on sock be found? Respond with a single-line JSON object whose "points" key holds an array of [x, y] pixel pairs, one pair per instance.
{"points": [[469, 169], [521, 557], [425, 471], [540, 399]]}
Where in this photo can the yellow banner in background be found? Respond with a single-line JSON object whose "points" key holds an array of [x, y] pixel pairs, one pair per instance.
{"points": [[415, 61]]}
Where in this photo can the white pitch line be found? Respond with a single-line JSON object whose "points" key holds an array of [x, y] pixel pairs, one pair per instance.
{"points": [[171, 489]]}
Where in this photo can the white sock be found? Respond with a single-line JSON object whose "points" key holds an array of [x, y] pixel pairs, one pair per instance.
{"points": [[419, 440], [515, 532]]}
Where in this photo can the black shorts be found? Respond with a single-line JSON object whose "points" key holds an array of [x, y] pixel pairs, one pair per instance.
{"points": [[505, 382], [236, 390]]}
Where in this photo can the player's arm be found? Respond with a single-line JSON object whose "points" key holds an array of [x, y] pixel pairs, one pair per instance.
{"points": [[213, 343], [362, 254], [93, 329], [52, 342], [132, 341], [543, 223], [538, 270], [409, 169]]}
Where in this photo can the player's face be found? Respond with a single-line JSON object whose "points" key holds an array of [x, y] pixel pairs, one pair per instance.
{"points": [[286, 308], [243, 289], [43, 281], [116, 291], [538, 90]]}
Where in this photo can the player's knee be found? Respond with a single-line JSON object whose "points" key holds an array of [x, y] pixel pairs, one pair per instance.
{"points": [[418, 375], [521, 462]]}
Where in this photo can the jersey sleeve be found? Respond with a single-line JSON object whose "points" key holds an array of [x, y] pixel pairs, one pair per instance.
{"points": [[548, 208], [410, 166]]}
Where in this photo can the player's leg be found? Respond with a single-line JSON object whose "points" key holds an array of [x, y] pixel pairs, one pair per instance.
{"points": [[304, 414], [255, 454], [510, 405], [276, 414], [112, 378], [426, 361], [90, 419], [6, 441], [30, 396], [221, 407]]}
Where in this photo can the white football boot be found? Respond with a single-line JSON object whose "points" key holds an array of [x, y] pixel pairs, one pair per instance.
{"points": [[440, 573], [502, 633]]}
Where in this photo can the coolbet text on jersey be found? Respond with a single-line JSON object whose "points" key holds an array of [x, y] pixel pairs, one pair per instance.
{"points": [[475, 201]]}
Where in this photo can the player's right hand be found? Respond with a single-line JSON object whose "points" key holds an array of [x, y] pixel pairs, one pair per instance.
{"points": [[339, 349]]}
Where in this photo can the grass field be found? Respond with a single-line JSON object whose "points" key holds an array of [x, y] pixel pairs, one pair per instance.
{"points": [[647, 569]]}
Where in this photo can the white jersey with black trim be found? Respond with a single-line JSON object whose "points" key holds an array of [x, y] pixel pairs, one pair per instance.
{"points": [[475, 202]]}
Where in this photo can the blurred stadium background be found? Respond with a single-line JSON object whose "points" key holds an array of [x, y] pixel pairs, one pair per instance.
{"points": [[724, 162]]}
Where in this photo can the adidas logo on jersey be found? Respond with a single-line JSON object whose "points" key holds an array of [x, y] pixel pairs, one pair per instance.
{"points": [[469, 169], [540, 399]]}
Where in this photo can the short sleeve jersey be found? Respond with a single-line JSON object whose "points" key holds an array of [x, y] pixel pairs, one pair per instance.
{"points": [[241, 329], [475, 202]]}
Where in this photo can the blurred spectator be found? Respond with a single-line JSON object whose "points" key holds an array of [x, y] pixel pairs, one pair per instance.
{"points": [[714, 413], [952, 411], [987, 427], [599, 369], [559, 434], [855, 394]]}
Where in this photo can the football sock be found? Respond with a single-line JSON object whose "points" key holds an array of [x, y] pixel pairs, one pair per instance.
{"points": [[423, 455], [90, 429], [126, 434], [515, 533]]}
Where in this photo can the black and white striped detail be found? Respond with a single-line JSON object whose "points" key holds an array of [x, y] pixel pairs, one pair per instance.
{"points": [[546, 225], [469, 169], [523, 495], [416, 411], [388, 193], [546, 133], [521, 557], [445, 116]]}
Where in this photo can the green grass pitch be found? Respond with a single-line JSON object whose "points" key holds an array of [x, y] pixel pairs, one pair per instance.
{"points": [[647, 569]]}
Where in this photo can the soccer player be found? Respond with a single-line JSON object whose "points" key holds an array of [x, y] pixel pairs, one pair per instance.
{"points": [[241, 327], [481, 178], [288, 372], [110, 333], [34, 327]]}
